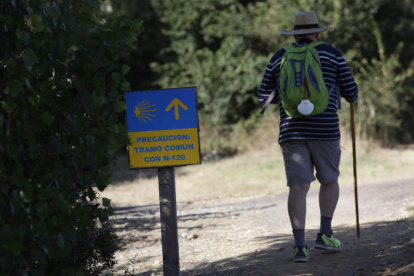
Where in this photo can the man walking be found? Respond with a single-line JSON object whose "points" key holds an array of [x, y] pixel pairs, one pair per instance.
{"points": [[309, 140]]}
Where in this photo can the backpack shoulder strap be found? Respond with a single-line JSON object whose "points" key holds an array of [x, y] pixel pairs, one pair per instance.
{"points": [[288, 48], [313, 44], [336, 86], [316, 43]]}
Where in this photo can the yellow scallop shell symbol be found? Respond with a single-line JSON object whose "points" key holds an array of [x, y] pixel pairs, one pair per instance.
{"points": [[143, 111]]}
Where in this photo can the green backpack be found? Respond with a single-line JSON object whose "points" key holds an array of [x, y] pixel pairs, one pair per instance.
{"points": [[302, 89]]}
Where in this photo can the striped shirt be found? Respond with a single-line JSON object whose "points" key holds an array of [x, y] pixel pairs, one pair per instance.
{"points": [[324, 126]]}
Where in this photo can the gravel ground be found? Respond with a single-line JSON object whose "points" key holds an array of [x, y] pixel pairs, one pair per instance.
{"points": [[252, 236]]}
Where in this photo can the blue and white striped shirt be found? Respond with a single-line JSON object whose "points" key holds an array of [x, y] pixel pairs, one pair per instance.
{"points": [[324, 126]]}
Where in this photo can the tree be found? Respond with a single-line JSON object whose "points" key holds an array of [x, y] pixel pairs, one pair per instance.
{"points": [[60, 95], [213, 46], [150, 44], [223, 46]]}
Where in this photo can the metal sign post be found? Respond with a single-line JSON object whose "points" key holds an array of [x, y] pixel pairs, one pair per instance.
{"points": [[164, 133], [168, 214]]}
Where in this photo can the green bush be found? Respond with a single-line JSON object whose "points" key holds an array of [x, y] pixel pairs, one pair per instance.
{"points": [[95, 253], [61, 102]]}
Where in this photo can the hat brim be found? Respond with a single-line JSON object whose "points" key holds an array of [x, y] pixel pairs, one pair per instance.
{"points": [[305, 31]]}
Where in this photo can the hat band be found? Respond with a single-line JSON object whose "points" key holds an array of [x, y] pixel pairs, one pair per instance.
{"points": [[308, 26]]}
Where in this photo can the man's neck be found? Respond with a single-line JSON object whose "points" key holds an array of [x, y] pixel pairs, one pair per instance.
{"points": [[305, 40]]}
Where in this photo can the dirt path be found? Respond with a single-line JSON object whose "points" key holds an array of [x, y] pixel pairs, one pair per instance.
{"points": [[252, 236]]}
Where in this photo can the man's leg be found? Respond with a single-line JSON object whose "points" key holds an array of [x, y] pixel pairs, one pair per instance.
{"points": [[299, 174], [297, 211], [328, 198], [327, 156]]}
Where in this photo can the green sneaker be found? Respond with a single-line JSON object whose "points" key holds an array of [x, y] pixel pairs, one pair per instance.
{"points": [[327, 243], [300, 254]]}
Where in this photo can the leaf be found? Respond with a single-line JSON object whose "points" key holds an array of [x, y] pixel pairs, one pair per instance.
{"points": [[120, 106], [130, 36], [46, 117], [112, 145], [91, 194], [28, 83], [29, 58], [98, 100], [103, 180], [24, 37], [98, 85], [125, 86], [43, 210], [106, 202], [116, 77], [25, 196], [111, 211], [125, 69], [35, 21], [103, 216], [125, 23], [16, 88]]}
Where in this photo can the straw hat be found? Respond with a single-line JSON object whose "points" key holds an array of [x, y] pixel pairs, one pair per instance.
{"points": [[306, 23]]}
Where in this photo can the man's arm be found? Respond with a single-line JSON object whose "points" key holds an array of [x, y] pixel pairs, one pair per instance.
{"points": [[346, 82], [271, 78]]}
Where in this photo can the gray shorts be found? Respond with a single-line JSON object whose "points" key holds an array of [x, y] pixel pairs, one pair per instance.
{"points": [[302, 156]]}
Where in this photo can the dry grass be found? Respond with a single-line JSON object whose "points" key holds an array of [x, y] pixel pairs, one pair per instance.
{"points": [[253, 173], [258, 170]]}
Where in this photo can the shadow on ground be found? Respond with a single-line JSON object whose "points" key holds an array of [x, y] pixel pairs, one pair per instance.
{"points": [[135, 220], [384, 248]]}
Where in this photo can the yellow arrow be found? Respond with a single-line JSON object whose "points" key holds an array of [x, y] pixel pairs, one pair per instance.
{"points": [[176, 102]]}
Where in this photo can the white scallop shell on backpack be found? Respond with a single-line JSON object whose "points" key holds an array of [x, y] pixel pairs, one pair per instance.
{"points": [[305, 107]]}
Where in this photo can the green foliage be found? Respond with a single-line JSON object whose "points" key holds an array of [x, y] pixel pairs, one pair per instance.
{"points": [[223, 47], [61, 98], [149, 45], [95, 253], [217, 50], [384, 98], [372, 36]]}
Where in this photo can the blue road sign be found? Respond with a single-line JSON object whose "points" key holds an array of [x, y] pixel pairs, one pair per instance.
{"points": [[161, 109], [163, 127]]}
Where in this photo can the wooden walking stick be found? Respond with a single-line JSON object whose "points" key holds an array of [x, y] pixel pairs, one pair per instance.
{"points": [[354, 159]]}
